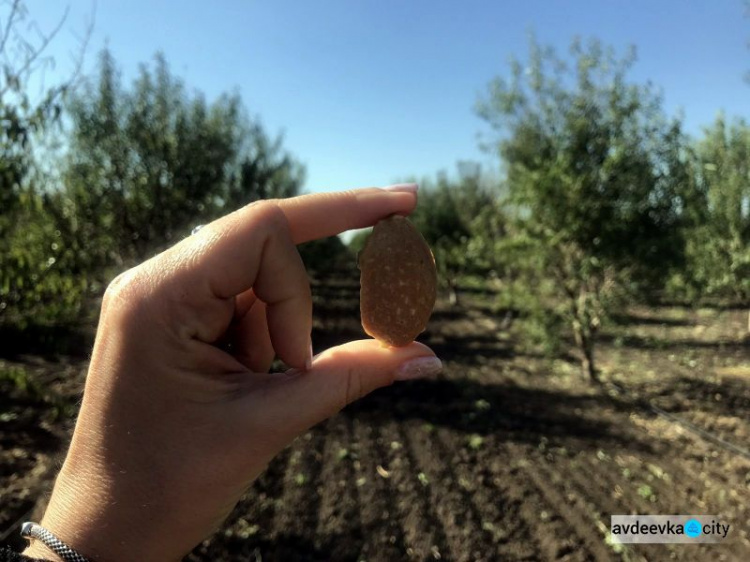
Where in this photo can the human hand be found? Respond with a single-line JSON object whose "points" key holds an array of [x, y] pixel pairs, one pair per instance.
{"points": [[174, 426]]}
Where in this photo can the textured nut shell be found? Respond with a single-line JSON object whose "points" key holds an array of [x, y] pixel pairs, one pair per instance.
{"points": [[398, 282]]}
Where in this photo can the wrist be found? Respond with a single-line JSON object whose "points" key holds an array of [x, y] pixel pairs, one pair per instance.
{"points": [[76, 514], [102, 523], [69, 514], [38, 550]]}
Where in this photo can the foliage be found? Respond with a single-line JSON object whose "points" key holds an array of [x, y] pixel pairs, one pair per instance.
{"points": [[462, 222], [149, 163], [21, 117], [325, 255], [596, 178], [32, 284], [16, 379], [144, 165], [38, 284], [719, 242], [358, 239], [19, 383]]}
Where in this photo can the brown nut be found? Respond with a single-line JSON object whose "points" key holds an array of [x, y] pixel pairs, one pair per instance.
{"points": [[398, 282]]}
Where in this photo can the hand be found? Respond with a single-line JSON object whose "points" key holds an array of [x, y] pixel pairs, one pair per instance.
{"points": [[173, 428]]}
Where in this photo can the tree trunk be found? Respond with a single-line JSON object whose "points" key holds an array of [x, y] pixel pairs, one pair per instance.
{"points": [[585, 343], [452, 293], [587, 363]]}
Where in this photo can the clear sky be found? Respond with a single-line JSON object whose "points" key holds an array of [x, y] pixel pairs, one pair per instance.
{"points": [[371, 91]]}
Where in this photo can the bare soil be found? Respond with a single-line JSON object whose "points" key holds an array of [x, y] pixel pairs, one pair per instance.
{"points": [[508, 455]]}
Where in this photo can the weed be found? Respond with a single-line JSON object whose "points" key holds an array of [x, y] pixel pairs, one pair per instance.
{"points": [[482, 405], [647, 493], [20, 381], [476, 441]]}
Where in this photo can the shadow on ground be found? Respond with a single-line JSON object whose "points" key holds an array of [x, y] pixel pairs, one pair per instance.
{"points": [[729, 396], [651, 343], [289, 547], [631, 319], [46, 341], [504, 410]]}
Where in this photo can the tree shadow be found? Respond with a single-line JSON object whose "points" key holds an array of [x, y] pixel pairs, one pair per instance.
{"points": [[342, 290], [631, 319], [504, 410], [468, 350], [448, 314], [473, 290], [282, 548], [324, 338], [650, 343], [688, 394], [22, 429], [336, 309], [51, 342], [735, 306]]}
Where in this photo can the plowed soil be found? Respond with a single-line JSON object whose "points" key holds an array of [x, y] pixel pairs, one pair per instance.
{"points": [[507, 455]]}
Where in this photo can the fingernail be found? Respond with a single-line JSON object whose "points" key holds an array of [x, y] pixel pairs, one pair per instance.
{"points": [[419, 368], [308, 361], [402, 187]]}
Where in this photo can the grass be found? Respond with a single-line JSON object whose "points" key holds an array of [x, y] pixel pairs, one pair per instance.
{"points": [[20, 382], [18, 379]]}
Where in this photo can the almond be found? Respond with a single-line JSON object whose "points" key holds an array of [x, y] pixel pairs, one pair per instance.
{"points": [[398, 282]]}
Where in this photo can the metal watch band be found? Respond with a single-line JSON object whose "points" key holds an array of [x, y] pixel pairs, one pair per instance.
{"points": [[31, 530]]}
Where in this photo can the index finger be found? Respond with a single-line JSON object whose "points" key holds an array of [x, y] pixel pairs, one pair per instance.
{"points": [[326, 214], [224, 257]]}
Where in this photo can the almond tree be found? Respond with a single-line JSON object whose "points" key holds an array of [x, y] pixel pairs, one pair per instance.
{"points": [[461, 220], [149, 161], [719, 258], [596, 176], [31, 281]]}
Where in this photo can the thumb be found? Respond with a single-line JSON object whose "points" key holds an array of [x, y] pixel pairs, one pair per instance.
{"points": [[338, 377]]}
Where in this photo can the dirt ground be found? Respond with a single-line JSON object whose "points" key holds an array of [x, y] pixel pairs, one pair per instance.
{"points": [[508, 455]]}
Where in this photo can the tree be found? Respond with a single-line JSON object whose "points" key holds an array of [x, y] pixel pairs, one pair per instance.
{"points": [[460, 220], [147, 164], [719, 258], [596, 178], [31, 281], [20, 116]]}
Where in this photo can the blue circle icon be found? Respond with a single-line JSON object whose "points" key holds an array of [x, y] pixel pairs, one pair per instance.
{"points": [[693, 528]]}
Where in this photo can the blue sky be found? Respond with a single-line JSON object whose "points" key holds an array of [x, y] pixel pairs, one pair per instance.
{"points": [[369, 92]]}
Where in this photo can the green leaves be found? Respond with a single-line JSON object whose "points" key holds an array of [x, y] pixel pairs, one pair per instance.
{"points": [[33, 283], [145, 163], [718, 242], [37, 275], [594, 172], [150, 161], [462, 222]]}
